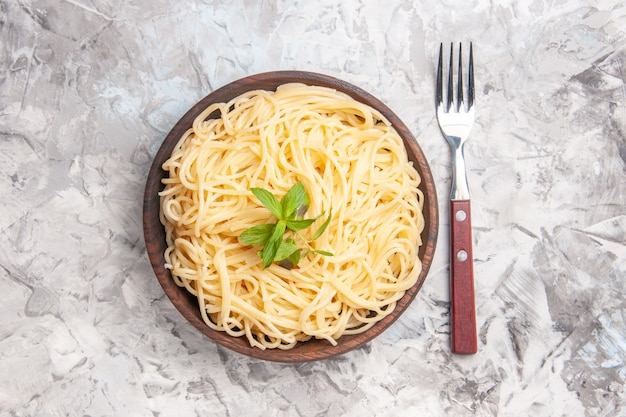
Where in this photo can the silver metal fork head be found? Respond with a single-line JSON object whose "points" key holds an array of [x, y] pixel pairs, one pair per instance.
{"points": [[455, 116]]}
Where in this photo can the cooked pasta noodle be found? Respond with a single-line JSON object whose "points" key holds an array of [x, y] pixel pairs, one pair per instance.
{"points": [[349, 159]]}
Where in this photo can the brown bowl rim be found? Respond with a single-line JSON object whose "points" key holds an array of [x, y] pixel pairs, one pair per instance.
{"points": [[186, 303]]}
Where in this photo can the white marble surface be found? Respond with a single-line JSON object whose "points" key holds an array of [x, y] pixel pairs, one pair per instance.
{"points": [[89, 89]]}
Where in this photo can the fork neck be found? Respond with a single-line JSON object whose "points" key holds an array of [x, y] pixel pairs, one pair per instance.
{"points": [[459, 189]]}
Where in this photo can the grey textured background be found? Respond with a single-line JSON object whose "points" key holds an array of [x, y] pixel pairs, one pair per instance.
{"points": [[89, 89]]}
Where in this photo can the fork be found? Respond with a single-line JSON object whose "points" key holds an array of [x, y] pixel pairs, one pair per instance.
{"points": [[455, 118]]}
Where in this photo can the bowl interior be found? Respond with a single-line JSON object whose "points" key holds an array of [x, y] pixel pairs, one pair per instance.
{"points": [[187, 304]]}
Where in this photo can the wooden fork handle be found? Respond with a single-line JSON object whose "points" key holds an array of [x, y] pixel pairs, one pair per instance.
{"points": [[463, 310]]}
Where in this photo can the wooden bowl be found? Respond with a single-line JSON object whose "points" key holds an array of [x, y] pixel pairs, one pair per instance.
{"points": [[187, 304]]}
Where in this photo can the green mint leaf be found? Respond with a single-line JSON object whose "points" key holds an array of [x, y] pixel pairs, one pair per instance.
{"points": [[322, 252], [295, 257], [289, 211], [302, 209], [323, 227], [299, 224], [295, 197], [257, 235], [269, 200], [268, 254], [286, 249]]}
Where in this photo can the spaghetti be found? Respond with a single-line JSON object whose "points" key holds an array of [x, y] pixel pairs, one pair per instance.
{"points": [[349, 159]]}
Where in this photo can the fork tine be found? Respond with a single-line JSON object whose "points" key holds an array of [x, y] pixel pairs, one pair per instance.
{"points": [[450, 99], [460, 102], [440, 77], [470, 81]]}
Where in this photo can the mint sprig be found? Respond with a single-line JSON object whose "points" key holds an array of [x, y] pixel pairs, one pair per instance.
{"points": [[280, 240]]}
